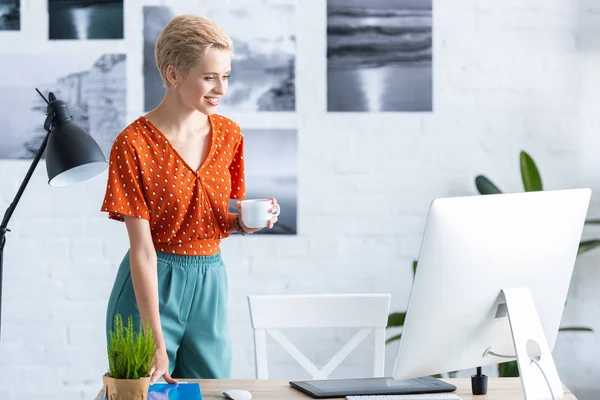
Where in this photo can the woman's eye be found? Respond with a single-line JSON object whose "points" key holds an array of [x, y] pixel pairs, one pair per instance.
{"points": [[210, 78]]}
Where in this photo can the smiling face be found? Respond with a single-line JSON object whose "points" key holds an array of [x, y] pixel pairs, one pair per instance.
{"points": [[206, 82]]}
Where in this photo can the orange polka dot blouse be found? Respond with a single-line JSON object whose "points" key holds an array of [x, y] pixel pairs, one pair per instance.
{"points": [[187, 210]]}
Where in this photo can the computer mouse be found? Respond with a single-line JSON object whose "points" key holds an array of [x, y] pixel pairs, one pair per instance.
{"points": [[237, 394]]}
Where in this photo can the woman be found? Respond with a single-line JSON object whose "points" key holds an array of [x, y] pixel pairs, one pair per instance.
{"points": [[172, 173]]}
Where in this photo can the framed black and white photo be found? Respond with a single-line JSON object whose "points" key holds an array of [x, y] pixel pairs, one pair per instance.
{"points": [[379, 55], [92, 86], [85, 19], [270, 157], [10, 15], [263, 65]]}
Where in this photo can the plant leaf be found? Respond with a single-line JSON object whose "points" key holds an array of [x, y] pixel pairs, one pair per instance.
{"points": [[396, 319], [396, 337], [414, 268], [532, 182], [485, 186], [576, 328], [508, 369], [588, 245], [593, 221]]}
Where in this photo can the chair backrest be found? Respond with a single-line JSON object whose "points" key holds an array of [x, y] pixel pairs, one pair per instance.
{"points": [[269, 314]]}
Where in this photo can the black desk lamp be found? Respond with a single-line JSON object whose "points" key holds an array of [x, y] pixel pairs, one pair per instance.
{"points": [[72, 156]]}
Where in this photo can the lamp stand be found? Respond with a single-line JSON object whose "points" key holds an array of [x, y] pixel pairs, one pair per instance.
{"points": [[11, 208]]}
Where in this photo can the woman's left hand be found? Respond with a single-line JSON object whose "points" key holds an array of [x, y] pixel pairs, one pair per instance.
{"points": [[270, 223]]}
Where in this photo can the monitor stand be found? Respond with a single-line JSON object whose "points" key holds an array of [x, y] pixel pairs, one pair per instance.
{"points": [[537, 370]]}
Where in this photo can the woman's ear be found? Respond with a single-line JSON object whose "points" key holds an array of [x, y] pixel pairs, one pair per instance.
{"points": [[172, 76]]}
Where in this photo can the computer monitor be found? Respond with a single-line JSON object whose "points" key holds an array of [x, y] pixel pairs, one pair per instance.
{"points": [[481, 258]]}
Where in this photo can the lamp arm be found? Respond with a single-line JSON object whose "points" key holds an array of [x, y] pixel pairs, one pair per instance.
{"points": [[34, 163]]}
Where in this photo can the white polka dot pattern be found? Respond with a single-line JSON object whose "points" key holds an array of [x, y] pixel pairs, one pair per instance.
{"points": [[187, 210]]}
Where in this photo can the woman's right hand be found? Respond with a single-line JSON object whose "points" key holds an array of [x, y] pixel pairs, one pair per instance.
{"points": [[160, 367]]}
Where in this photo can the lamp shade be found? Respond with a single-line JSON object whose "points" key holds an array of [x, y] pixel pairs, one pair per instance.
{"points": [[72, 155]]}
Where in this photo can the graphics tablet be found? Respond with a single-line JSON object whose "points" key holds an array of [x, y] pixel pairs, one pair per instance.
{"points": [[322, 389]]}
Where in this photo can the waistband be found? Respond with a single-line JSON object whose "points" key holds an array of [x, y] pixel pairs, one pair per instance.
{"points": [[182, 260]]}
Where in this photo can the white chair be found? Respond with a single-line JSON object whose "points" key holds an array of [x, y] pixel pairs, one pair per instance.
{"points": [[369, 312]]}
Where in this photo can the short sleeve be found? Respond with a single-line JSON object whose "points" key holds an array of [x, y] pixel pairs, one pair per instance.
{"points": [[236, 170], [124, 195]]}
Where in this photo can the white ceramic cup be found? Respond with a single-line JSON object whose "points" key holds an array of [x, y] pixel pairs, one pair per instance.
{"points": [[257, 213]]}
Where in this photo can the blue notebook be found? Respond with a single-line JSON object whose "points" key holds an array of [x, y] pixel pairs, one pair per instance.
{"points": [[182, 391]]}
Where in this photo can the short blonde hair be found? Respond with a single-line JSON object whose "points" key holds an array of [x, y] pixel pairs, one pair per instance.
{"points": [[185, 40]]}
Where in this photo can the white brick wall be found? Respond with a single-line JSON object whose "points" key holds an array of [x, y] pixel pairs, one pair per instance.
{"points": [[508, 75]]}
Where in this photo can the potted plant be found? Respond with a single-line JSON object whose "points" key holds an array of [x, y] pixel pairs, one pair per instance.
{"points": [[129, 359]]}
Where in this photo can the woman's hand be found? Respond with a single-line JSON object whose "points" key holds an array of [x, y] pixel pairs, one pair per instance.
{"points": [[160, 367], [270, 223]]}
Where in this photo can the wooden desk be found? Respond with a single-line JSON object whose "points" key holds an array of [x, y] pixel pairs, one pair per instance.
{"points": [[498, 389]]}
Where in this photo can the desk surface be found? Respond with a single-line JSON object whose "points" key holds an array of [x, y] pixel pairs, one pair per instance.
{"points": [[498, 389]]}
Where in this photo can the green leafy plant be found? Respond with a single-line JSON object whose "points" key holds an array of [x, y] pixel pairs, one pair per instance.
{"points": [[129, 353], [532, 181]]}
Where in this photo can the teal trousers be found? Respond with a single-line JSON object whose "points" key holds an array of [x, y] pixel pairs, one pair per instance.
{"points": [[192, 292]]}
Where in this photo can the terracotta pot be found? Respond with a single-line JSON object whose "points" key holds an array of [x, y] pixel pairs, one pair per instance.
{"points": [[126, 389]]}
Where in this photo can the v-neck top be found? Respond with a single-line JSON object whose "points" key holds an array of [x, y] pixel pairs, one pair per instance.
{"points": [[187, 210]]}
